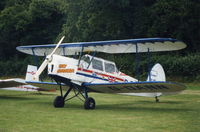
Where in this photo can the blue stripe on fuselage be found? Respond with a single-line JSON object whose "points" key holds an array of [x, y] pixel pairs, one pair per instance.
{"points": [[91, 76]]}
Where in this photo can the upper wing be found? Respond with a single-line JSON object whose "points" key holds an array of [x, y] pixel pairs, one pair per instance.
{"points": [[135, 87], [11, 83], [113, 46]]}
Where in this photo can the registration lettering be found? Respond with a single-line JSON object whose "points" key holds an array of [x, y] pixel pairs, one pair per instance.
{"points": [[143, 87]]}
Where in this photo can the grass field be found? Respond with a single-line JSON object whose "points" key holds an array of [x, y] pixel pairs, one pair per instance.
{"points": [[33, 112]]}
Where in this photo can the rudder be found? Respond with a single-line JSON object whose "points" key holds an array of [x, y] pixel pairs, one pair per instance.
{"points": [[31, 70], [157, 73]]}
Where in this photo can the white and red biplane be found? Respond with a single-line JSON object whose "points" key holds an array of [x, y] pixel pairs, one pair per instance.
{"points": [[93, 74]]}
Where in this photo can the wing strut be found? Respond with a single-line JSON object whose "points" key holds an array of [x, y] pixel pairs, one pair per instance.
{"points": [[80, 55], [92, 59], [137, 62], [149, 63]]}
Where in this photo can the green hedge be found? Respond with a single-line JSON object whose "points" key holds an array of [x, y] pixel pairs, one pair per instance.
{"points": [[15, 66], [186, 67], [180, 66]]}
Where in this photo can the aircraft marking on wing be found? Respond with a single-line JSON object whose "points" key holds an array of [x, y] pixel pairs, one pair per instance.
{"points": [[144, 87], [135, 87]]}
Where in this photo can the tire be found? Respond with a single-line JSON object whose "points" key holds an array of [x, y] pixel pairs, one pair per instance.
{"points": [[59, 102], [89, 103]]}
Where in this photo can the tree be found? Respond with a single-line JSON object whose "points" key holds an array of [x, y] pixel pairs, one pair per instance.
{"points": [[29, 23], [13, 21], [177, 19]]}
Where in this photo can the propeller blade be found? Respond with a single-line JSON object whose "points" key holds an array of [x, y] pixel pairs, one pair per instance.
{"points": [[57, 46], [46, 61], [41, 68]]}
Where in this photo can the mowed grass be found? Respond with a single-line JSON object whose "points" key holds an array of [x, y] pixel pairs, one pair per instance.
{"points": [[33, 112]]}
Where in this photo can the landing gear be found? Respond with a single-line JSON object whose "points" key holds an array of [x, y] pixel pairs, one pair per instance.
{"points": [[59, 102], [89, 103], [157, 100]]}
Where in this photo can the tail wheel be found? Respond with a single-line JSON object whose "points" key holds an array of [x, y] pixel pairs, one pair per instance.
{"points": [[59, 102], [89, 103], [157, 100]]}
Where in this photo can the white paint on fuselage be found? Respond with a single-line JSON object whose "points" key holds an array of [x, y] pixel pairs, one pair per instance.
{"points": [[85, 73]]}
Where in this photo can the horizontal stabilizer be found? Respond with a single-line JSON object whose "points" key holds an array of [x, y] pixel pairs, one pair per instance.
{"points": [[46, 85], [11, 83]]}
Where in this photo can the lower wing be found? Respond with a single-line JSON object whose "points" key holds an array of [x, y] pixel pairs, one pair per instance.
{"points": [[136, 87]]}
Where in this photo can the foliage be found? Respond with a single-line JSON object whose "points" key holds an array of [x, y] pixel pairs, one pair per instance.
{"points": [[177, 19], [15, 67], [24, 22], [32, 22]]}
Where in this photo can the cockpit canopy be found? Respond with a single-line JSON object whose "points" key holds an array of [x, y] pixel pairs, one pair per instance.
{"points": [[90, 62]]}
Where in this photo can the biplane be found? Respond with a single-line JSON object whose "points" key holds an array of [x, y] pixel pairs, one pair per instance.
{"points": [[89, 73]]}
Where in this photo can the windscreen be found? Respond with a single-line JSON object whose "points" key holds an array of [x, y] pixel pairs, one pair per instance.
{"points": [[97, 64], [109, 67], [85, 61]]}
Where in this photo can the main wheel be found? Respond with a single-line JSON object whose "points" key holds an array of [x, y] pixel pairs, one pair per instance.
{"points": [[89, 103], [59, 102]]}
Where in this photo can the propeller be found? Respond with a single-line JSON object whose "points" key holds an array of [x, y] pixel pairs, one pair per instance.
{"points": [[47, 60]]}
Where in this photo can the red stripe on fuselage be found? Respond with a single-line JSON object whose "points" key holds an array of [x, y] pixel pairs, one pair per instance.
{"points": [[85, 70], [101, 74]]}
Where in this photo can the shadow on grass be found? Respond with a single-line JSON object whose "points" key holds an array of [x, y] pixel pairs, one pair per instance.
{"points": [[130, 107], [22, 96], [142, 105], [68, 105], [163, 106], [161, 102], [39, 93], [15, 98]]}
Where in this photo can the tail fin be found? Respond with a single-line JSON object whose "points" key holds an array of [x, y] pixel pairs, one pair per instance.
{"points": [[157, 73], [31, 70]]}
